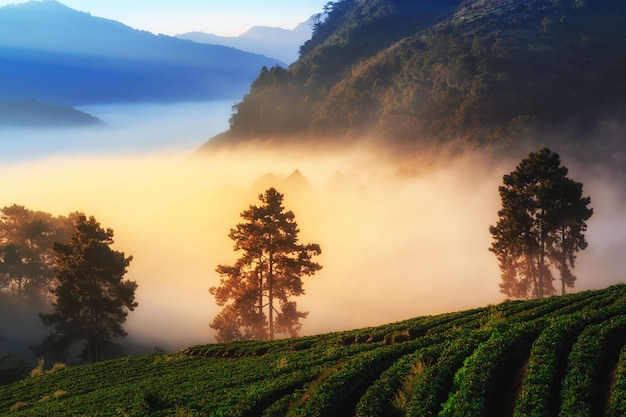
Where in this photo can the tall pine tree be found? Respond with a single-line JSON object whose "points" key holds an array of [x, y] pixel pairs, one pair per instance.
{"points": [[256, 291], [541, 226], [92, 297]]}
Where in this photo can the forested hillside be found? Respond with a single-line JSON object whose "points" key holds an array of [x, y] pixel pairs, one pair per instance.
{"points": [[562, 355], [478, 71]]}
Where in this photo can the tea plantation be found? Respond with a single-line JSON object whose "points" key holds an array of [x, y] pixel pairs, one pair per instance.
{"points": [[559, 356]]}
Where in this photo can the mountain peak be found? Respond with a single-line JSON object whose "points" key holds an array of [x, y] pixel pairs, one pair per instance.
{"points": [[41, 6]]}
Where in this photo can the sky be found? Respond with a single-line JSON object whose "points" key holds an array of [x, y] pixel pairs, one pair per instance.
{"points": [[172, 17]]}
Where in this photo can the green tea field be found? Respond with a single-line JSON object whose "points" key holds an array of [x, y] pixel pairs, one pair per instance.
{"points": [[558, 356]]}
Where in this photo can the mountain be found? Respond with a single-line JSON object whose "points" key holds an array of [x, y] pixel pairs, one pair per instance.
{"points": [[282, 44], [51, 53], [430, 72], [33, 114], [552, 356]]}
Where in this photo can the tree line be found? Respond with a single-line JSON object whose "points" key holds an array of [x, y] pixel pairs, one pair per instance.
{"points": [[68, 260]]}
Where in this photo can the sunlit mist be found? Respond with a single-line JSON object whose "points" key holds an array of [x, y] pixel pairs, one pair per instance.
{"points": [[399, 240]]}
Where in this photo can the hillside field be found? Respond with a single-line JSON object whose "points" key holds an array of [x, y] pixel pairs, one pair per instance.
{"points": [[558, 356]]}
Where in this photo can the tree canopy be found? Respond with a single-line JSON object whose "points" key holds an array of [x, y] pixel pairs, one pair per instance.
{"points": [[26, 255], [541, 226], [256, 291], [92, 297]]}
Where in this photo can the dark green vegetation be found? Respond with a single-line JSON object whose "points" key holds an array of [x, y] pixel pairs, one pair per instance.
{"points": [[92, 298], [541, 226], [62, 272], [432, 71], [543, 357]]}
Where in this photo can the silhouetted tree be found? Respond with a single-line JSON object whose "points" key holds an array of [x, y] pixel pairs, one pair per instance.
{"points": [[541, 224], [26, 256], [92, 298], [570, 216], [256, 290]]}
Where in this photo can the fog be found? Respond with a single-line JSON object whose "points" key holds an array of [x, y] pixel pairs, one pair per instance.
{"points": [[400, 237], [127, 129]]}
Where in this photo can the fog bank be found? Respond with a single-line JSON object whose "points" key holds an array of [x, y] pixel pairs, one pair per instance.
{"points": [[399, 240], [128, 129]]}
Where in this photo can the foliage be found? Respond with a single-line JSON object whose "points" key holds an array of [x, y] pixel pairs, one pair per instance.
{"points": [[266, 276], [617, 402], [441, 71], [477, 379], [548, 357], [92, 298], [26, 255], [39, 369], [585, 365], [12, 368], [541, 222], [453, 363]]}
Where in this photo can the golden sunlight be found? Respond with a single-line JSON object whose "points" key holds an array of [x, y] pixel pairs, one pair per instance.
{"points": [[395, 244]]}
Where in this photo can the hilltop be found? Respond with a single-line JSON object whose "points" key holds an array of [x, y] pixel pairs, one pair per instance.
{"points": [[435, 72], [30, 113], [562, 355]]}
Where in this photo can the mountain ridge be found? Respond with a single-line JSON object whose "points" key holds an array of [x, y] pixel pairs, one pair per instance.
{"points": [[34, 114], [433, 73], [279, 43], [52, 53]]}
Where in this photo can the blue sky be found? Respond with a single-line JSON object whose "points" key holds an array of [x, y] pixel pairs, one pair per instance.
{"points": [[171, 17]]}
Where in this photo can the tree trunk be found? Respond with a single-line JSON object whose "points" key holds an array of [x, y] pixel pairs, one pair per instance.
{"points": [[270, 285], [563, 261], [542, 250], [533, 271], [260, 310]]}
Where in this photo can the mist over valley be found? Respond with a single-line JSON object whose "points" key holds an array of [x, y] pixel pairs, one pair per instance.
{"points": [[389, 159], [122, 129], [400, 237]]}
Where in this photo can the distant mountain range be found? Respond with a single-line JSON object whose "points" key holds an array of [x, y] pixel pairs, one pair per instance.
{"points": [[283, 44], [54, 54], [435, 72]]}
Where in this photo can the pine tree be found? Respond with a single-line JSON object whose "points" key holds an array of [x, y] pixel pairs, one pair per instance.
{"points": [[92, 298], [541, 225], [255, 292]]}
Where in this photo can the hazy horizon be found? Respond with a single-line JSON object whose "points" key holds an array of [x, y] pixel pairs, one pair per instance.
{"points": [[220, 18]]}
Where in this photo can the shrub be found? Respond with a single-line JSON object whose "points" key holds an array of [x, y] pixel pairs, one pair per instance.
{"points": [[39, 370]]}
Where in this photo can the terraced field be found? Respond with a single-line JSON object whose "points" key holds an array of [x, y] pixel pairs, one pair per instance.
{"points": [[560, 356]]}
